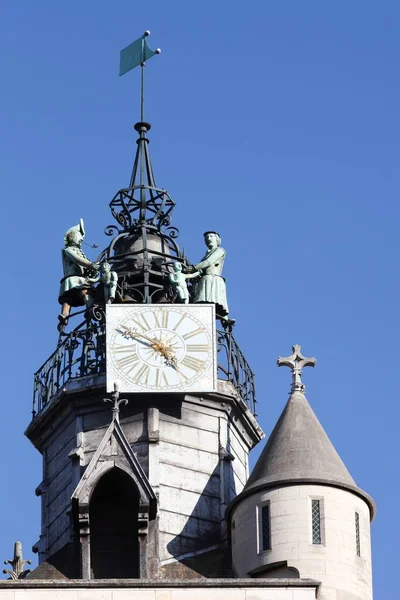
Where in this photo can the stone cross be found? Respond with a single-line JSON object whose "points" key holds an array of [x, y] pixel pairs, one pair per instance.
{"points": [[296, 362]]}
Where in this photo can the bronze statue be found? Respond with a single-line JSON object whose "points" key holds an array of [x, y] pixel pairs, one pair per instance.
{"points": [[109, 280], [211, 285], [178, 282], [75, 286]]}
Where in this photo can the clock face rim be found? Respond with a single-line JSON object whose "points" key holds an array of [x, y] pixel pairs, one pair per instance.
{"points": [[204, 381]]}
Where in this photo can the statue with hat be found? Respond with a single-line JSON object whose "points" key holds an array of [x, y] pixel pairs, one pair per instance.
{"points": [[211, 285], [78, 270]]}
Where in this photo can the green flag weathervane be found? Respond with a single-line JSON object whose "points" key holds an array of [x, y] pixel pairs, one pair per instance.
{"points": [[134, 55]]}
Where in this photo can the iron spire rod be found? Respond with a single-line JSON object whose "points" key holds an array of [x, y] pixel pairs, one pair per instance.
{"points": [[142, 168], [141, 143], [142, 66]]}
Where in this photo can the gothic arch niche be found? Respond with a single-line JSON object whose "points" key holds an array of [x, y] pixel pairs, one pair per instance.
{"points": [[114, 527]]}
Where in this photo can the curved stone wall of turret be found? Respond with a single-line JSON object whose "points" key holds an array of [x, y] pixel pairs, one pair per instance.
{"points": [[288, 531]]}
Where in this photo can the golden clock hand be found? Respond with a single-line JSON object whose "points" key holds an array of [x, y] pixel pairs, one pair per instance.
{"points": [[169, 356], [133, 337], [157, 345], [135, 334]]}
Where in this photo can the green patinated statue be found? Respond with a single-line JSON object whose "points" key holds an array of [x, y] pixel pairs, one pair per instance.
{"points": [[211, 285], [178, 282], [78, 269], [109, 280]]}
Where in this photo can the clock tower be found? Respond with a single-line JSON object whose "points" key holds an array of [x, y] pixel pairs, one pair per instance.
{"points": [[145, 412]]}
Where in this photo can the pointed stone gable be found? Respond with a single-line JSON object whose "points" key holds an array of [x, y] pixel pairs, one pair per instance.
{"points": [[114, 451]]}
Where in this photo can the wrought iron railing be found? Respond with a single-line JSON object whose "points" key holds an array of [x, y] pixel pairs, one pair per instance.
{"points": [[82, 353], [233, 367]]}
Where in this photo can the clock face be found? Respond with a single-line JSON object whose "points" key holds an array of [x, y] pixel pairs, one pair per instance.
{"points": [[153, 348]]}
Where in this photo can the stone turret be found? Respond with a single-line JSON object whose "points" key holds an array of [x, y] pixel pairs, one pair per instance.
{"points": [[301, 514]]}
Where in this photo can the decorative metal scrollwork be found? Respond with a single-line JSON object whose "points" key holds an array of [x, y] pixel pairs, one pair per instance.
{"points": [[112, 230], [83, 353], [80, 353], [173, 232], [97, 313]]}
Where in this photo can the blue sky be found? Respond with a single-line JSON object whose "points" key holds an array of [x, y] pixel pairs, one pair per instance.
{"points": [[277, 124]]}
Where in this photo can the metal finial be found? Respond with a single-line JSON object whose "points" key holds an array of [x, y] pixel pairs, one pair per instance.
{"points": [[115, 399], [17, 563], [296, 362]]}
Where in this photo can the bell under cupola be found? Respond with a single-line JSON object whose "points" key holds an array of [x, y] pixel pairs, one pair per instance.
{"points": [[301, 514]]}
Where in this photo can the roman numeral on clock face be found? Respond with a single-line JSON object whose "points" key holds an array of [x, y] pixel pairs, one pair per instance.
{"points": [[197, 347], [124, 349], [183, 377], [179, 322], [193, 363], [130, 360], [164, 319], [142, 322], [143, 374], [164, 380], [161, 378], [157, 319], [192, 333]]}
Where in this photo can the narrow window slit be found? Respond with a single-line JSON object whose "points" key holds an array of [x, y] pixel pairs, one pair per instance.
{"points": [[265, 528], [357, 523], [316, 521]]}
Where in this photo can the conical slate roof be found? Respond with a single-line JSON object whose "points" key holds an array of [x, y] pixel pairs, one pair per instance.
{"points": [[299, 451]]}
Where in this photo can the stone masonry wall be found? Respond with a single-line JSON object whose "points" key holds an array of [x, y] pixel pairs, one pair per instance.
{"points": [[203, 464], [221, 590], [193, 450], [334, 562]]}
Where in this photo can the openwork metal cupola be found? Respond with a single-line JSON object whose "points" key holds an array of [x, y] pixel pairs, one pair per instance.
{"points": [[143, 242]]}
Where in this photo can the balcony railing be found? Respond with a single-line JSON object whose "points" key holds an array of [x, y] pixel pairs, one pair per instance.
{"points": [[82, 352]]}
